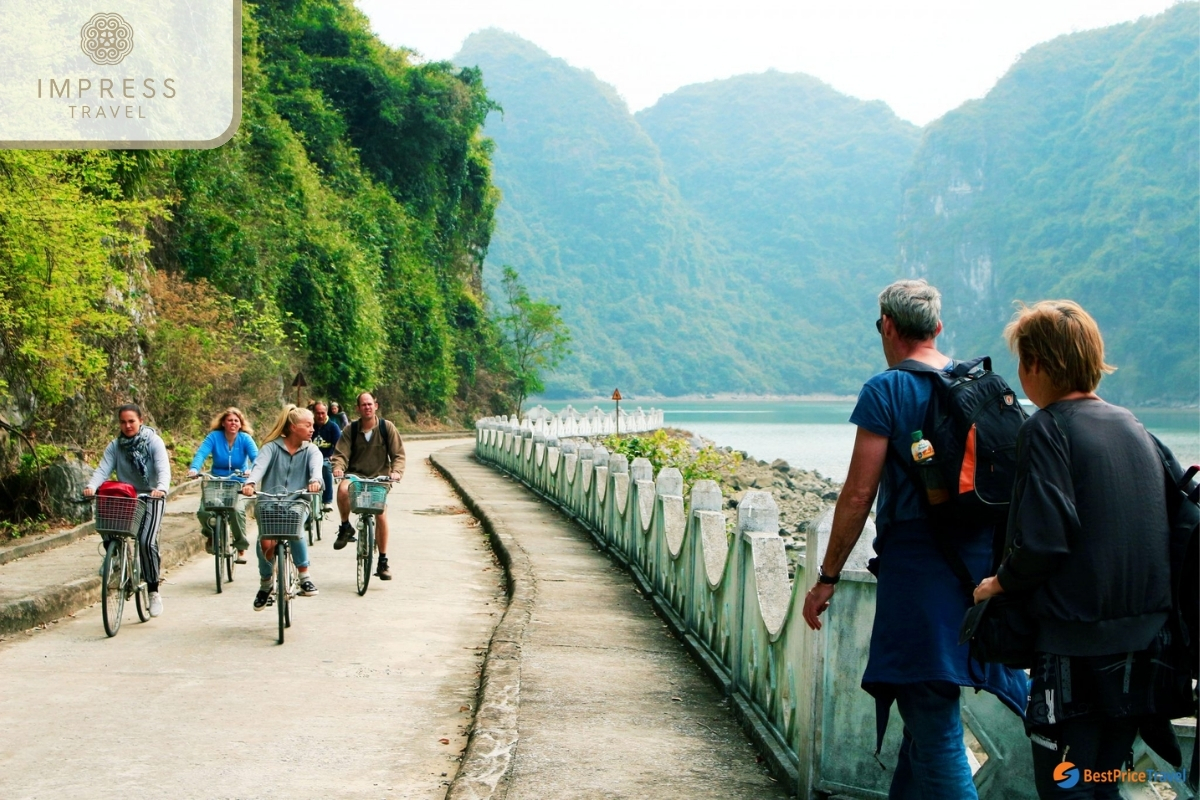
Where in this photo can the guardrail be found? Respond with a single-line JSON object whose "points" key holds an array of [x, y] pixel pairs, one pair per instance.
{"points": [[570, 422], [724, 587]]}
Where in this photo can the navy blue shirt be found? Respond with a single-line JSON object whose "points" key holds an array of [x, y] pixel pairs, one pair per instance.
{"points": [[919, 603], [325, 437]]}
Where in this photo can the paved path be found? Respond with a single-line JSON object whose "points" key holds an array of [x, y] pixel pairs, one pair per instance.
{"points": [[611, 705], [202, 703]]}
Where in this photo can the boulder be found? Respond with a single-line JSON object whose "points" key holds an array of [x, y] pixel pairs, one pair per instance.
{"points": [[65, 480]]}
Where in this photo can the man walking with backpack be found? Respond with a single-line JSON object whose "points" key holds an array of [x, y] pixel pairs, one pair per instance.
{"points": [[915, 660], [369, 448]]}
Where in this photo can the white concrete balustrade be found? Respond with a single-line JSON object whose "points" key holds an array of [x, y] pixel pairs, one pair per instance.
{"points": [[570, 422], [723, 586]]}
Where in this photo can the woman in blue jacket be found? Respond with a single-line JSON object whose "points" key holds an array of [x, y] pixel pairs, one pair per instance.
{"points": [[232, 449]]}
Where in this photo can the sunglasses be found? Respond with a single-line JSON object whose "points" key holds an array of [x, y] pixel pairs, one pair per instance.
{"points": [[879, 325]]}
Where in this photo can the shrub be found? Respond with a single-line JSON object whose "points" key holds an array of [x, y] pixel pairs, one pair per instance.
{"points": [[664, 448]]}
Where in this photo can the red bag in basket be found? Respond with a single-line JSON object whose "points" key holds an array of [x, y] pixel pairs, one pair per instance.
{"points": [[117, 489]]}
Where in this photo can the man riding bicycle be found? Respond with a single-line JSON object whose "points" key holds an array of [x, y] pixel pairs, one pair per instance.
{"points": [[367, 449], [325, 436]]}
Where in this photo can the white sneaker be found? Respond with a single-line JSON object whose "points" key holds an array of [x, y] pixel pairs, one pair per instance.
{"points": [[155, 604]]}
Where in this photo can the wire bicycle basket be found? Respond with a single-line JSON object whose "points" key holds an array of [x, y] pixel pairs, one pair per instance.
{"points": [[368, 498], [220, 493], [119, 516], [282, 519]]}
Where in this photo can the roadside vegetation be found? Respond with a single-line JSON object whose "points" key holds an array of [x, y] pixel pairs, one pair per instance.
{"points": [[341, 233]]}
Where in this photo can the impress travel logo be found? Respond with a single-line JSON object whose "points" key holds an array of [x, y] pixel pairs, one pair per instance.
{"points": [[134, 74], [107, 39]]}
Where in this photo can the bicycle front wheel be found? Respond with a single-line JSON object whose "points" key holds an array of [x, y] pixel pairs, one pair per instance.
{"points": [[366, 551], [219, 546], [281, 586], [112, 585]]}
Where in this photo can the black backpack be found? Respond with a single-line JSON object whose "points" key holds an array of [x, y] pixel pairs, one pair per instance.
{"points": [[972, 421], [1183, 512]]}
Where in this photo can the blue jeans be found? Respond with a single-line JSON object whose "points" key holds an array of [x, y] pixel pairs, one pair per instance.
{"points": [[299, 556], [327, 476], [933, 761]]}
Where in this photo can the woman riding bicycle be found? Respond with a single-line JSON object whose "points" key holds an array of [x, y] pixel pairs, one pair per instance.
{"points": [[232, 449], [140, 459], [288, 462]]}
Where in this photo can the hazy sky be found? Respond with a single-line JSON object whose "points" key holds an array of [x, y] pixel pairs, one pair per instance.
{"points": [[921, 57]]}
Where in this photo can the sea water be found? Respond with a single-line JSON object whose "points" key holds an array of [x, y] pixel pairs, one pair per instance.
{"points": [[817, 435]]}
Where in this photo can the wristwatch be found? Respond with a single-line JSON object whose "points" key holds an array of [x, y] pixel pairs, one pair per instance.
{"points": [[828, 580]]}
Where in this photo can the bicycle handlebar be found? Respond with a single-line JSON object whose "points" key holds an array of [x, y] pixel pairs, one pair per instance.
{"points": [[286, 495]]}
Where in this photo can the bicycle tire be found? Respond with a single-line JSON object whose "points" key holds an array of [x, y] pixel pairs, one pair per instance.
{"points": [[366, 551], [134, 583], [308, 528], [219, 546], [112, 586], [281, 587], [317, 523], [293, 589], [141, 598]]}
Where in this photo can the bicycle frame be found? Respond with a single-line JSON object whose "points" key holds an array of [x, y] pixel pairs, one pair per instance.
{"points": [[121, 570], [224, 554], [287, 580]]}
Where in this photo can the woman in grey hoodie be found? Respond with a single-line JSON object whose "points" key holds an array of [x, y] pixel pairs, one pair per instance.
{"points": [[287, 462]]}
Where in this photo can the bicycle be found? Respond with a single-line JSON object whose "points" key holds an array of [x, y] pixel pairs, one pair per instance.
{"points": [[318, 514], [285, 518], [368, 499], [119, 519], [220, 496]]}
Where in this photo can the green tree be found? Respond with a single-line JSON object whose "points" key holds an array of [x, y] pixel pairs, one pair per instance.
{"points": [[535, 338]]}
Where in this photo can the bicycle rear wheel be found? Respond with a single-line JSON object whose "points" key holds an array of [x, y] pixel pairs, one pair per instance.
{"points": [[112, 585], [366, 551], [219, 546]]}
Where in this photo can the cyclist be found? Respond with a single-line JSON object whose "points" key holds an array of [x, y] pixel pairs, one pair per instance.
{"points": [[363, 453], [325, 436], [232, 449], [288, 462], [140, 459], [338, 416]]}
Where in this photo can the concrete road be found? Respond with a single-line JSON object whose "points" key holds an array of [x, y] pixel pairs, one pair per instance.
{"points": [[202, 702]]}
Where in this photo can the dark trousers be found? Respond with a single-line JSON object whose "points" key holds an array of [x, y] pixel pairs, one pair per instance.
{"points": [[1094, 744]]}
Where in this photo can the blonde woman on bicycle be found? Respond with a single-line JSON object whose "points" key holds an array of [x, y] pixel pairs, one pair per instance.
{"points": [[232, 448], [140, 459], [287, 462]]}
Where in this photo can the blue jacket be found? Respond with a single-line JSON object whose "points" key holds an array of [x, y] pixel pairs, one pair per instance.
{"points": [[226, 459]]}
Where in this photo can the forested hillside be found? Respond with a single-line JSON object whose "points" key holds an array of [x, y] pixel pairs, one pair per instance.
{"points": [[341, 232], [1076, 176], [592, 222], [787, 206], [717, 242]]}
